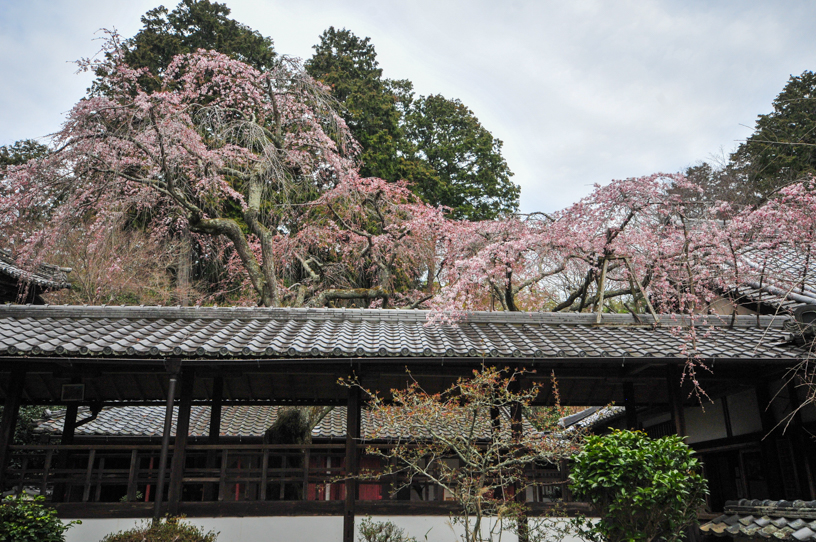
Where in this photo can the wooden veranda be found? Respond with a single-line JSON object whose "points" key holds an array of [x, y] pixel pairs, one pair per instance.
{"points": [[179, 358]]}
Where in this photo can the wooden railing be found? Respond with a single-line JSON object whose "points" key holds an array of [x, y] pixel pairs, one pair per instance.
{"points": [[233, 472]]}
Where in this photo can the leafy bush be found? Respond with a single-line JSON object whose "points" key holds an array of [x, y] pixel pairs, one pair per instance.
{"points": [[167, 530], [23, 519], [378, 531], [642, 488]]}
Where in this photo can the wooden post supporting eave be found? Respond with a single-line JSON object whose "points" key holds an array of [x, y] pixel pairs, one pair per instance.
{"points": [[800, 438], [675, 396], [517, 428], [180, 443], [768, 445], [629, 405], [215, 410], [214, 435], [11, 408], [353, 416], [165, 448], [66, 439]]}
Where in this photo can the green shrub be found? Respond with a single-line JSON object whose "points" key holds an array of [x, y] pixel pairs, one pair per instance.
{"points": [[167, 530], [23, 519], [642, 488], [378, 531]]}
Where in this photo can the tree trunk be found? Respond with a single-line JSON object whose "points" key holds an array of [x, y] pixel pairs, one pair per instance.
{"points": [[185, 263], [232, 231]]}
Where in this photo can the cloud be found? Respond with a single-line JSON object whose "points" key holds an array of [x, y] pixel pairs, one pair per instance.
{"points": [[580, 92]]}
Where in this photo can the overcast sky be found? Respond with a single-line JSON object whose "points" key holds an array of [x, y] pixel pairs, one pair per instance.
{"points": [[580, 92]]}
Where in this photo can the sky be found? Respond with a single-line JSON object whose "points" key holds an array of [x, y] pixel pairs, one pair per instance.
{"points": [[580, 92]]}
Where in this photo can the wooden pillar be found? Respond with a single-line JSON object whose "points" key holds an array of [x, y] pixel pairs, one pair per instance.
{"points": [[214, 435], [800, 440], [66, 439], [11, 408], [564, 475], [629, 405], [353, 415], [180, 443], [168, 425], [69, 424], [770, 461], [215, 410], [517, 428], [675, 396]]}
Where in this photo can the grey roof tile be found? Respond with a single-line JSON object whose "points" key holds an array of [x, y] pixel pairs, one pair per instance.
{"points": [[252, 332], [236, 421], [45, 275], [778, 520]]}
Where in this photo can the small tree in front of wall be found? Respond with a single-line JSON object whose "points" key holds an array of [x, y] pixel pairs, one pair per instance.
{"points": [[464, 441], [26, 519], [643, 489], [169, 529]]}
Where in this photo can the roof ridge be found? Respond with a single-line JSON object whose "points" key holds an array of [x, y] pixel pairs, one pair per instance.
{"points": [[379, 315]]}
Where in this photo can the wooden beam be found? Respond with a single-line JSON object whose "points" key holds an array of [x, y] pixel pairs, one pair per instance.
{"points": [[168, 425], [11, 408], [353, 415], [180, 444]]}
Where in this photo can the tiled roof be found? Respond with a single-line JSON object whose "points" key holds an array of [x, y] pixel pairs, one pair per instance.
{"points": [[45, 276], [591, 417], [157, 332], [236, 421], [798, 269], [763, 520]]}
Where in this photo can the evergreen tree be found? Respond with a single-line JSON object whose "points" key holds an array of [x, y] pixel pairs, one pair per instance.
{"points": [[20, 152], [782, 148], [192, 25], [349, 66], [472, 177], [438, 145]]}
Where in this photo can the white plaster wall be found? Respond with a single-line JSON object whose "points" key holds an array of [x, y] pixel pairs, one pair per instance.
{"points": [[744, 411], [433, 528], [291, 529], [263, 529], [705, 422]]}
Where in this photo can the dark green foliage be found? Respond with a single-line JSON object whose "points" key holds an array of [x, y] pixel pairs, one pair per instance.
{"points": [[782, 148], [167, 530], [20, 152], [349, 66], [26, 417], [643, 489], [26, 520], [436, 144], [472, 177], [192, 25]]}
